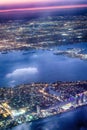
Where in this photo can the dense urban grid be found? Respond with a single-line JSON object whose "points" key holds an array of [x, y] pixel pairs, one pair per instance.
{"points": [[29, 102], [42, 32]]}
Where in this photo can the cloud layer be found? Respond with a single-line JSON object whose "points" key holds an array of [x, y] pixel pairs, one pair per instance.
{"points": [[22, 72]]}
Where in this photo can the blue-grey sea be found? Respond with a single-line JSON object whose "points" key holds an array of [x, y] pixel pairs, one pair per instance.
{"points": [[36, 65]]}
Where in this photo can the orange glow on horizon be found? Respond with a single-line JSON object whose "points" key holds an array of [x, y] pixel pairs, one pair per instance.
{"points": [[45, 8]]}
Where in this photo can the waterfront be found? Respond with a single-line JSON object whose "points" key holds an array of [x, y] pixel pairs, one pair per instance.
{"points": [[41, 65], [72, 120]]}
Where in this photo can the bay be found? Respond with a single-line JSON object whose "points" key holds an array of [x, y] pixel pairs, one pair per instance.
{"points": [[19, 67]]}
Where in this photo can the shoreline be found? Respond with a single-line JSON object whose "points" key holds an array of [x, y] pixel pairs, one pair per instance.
{"points": [[60, 114], [45, 119], [46, 47]]}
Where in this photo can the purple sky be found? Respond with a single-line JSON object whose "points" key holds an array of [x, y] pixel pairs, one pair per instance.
{"points": [[21, 4]]}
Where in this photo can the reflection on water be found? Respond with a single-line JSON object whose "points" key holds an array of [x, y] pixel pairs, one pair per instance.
{"points": [[73, 120], [41, 66]]}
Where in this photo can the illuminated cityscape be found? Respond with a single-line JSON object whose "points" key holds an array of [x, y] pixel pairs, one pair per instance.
{"points": [[43, 32], [29, 102], [43, 67]]}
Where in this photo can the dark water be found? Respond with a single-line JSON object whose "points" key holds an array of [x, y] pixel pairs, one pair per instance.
{"points": [[72, 120], [19, 67]]}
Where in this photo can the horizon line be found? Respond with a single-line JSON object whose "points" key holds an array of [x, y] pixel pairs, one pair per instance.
{"points": [[45, 8]]}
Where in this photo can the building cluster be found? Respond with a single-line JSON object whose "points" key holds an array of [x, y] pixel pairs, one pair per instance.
{"points": [[75, 52], [43, 32], [37, 100]]}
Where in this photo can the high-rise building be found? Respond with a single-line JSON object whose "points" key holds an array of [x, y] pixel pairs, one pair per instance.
{"points": [[38, 110]]}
